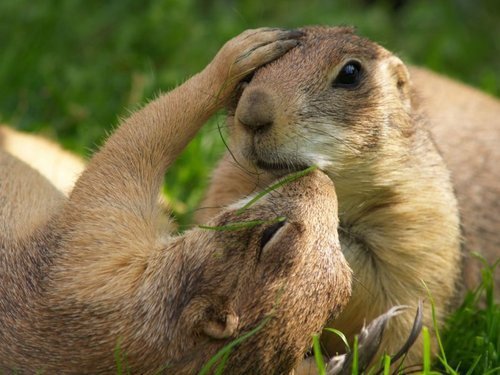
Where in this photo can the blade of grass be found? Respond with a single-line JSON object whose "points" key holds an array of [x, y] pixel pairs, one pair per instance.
{"points": [[341, 335], [355, 356], [471, 370], [387, 364], [435, 325], [449, 369], [427, 351], [239, 225], [118, 358], [275, 186], [220, 368], [495, 370], [318, 356], [229, 347]]}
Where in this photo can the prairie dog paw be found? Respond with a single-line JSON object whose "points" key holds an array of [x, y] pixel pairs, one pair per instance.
{"points": [[247, 52]]}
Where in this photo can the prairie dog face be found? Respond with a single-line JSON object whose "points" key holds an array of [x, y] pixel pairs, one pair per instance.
{"points": [[292, 270], [327, 102]]}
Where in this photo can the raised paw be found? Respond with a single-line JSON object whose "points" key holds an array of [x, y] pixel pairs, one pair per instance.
{"points": [[248, 51]]}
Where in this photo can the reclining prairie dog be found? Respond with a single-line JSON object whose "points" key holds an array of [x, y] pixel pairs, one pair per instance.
{"points": [[351, 107], [79, 275]]}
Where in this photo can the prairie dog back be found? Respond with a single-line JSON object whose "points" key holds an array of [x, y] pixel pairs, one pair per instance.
{"points": [[465, 125]]}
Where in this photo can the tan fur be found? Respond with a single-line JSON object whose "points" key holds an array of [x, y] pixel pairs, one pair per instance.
{"points": [[465, 125], [59, 166], [80, 275], [399, 220]]}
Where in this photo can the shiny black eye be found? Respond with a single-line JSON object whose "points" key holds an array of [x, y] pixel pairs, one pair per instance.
{"points": [[349, 75]]}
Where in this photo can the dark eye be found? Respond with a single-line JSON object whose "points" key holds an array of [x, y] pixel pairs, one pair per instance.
{"points": [[248, 77], [349, 75], [268, 233]]}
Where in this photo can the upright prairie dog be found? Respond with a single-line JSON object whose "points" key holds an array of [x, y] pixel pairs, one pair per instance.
{"points": [[83, 274], [351, 107]]}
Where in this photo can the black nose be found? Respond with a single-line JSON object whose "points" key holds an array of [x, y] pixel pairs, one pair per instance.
{"points": [[255, 110]]}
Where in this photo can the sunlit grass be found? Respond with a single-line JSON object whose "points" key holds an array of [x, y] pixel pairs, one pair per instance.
{"points": [[471, 339], [469, 344], [318, 356]]}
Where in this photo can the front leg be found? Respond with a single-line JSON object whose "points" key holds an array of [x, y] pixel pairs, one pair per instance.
{"points": [[133, 161], [112, 219]]}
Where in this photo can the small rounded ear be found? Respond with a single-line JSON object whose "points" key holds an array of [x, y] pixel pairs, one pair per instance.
{"points": [[211, 316], [221, 325], [401, 78]]}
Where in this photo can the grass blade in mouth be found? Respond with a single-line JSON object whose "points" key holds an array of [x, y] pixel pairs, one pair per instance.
{"points": [[275, 186], [239, 225]]}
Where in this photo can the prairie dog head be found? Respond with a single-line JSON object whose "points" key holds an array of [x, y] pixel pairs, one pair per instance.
{"points": [[330, 101], [290, 272]]}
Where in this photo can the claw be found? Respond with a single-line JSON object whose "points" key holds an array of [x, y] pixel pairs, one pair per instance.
{"points": [[370, 339], [415, 332], [293, 34]]}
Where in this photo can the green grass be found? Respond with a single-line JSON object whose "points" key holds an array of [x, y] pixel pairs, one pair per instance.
{"points": [[463, 351], [70, 68], [318, 357], [471, 339], [469, 345]]}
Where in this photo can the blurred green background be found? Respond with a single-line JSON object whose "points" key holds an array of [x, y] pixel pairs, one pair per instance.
{"points": [[69, 69]]}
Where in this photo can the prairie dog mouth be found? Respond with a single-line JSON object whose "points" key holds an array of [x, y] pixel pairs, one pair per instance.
{"points": [[285, 167], [274, 161]]}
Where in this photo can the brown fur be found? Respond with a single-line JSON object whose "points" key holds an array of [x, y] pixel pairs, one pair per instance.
{"points": [[399, 219], [79, 275], [465, 125]]}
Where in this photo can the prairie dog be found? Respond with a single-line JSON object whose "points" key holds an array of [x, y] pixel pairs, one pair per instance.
{"points": [[346, 104], [81, 274]]}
